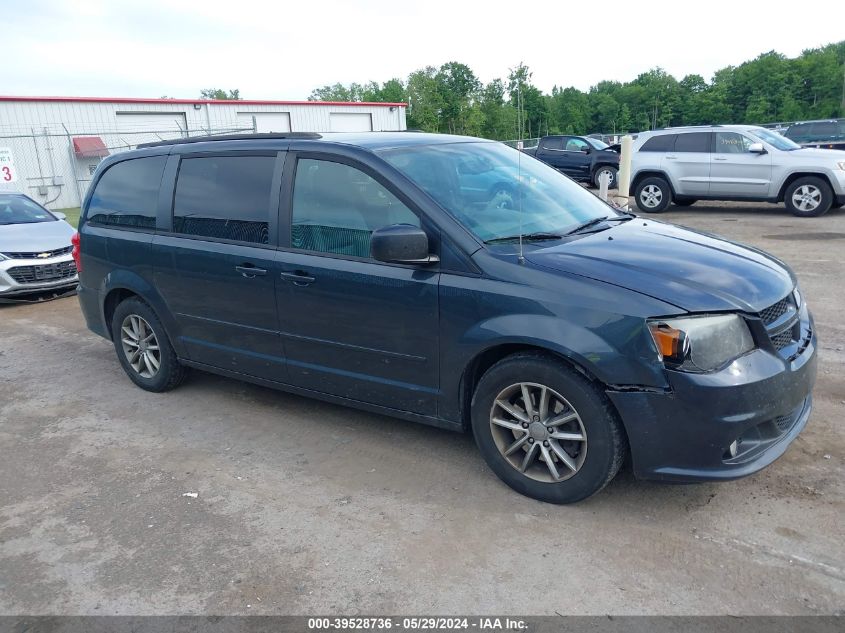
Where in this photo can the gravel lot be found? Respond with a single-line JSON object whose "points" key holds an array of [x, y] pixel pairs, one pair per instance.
{"points": [[304, 507]]}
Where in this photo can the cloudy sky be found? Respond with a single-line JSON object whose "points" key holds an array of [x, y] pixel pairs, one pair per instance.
{"points": [[284, 49]]}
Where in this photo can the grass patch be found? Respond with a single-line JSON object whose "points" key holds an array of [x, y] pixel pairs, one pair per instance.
{"points": [[72, 215]]}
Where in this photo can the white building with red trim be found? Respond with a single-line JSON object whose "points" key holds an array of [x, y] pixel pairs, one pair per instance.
{"points": [[55, 143]]}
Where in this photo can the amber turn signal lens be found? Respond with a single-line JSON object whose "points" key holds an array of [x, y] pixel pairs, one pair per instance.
{"points": [[671, 342]]}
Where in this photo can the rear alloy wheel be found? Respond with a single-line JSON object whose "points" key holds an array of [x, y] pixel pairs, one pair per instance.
{"points": [[611, 173], [808, 197], [653, 195], [546, 431], [140, 346], [143, 349]]}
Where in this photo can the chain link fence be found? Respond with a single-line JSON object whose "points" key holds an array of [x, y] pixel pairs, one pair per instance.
{"points": [[54, 165]]}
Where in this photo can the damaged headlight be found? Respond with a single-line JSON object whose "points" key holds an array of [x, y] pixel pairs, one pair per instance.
{"points": [[701, 343]]}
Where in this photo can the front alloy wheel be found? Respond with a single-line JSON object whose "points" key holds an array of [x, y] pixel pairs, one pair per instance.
{"points": [[531, 417], [807, 198], [538, 432], [651, 196]]}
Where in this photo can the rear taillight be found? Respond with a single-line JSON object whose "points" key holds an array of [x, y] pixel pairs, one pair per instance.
{"points": [[77, 256]]}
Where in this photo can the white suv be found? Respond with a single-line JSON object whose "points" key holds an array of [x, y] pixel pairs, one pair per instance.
{"points": [[734, 162]]}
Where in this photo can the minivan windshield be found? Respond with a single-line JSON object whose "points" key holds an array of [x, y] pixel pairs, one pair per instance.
{"points": [[20, 210], [496, 191], [775, 139]]}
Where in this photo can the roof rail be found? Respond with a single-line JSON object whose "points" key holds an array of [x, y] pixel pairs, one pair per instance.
{"points": [[683, 127], [232, 137]]}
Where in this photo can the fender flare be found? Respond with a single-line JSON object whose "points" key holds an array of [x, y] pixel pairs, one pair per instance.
{"points": [[127, 280]]}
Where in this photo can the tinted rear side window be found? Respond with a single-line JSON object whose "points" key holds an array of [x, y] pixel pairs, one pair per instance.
{"points": [[799, 129], [693, 142], [127, 193], [662, 143], [224, 197], [553, 142], [827, 128]]}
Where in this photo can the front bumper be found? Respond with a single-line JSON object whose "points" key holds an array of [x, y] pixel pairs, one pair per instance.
{"points": [[28, 276], [762, 400]]}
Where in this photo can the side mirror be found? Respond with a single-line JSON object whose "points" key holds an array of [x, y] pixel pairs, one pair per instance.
{"points": [[757, 148], [586, 150], [59, 215], [401, 244]]}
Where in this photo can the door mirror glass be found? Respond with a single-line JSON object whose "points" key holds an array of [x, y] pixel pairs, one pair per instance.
{"points": [[401, 244], [757, 148]]}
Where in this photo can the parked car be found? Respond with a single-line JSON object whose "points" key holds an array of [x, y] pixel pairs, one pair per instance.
{"points": [[734, 162], [581, 158], [35, 248], [354, 268], [829, 134]]}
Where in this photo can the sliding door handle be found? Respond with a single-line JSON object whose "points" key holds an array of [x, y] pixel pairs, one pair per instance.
{"points": [[299, 278], [249, 271]]}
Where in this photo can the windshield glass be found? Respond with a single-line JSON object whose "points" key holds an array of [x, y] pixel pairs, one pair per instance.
{"points": [[19, 210], [775, 139], [481, 186], [596, 143]]}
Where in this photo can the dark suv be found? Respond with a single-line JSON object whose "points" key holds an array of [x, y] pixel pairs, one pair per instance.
{"points": [[829, 134], [582, 158], [371, 270]]}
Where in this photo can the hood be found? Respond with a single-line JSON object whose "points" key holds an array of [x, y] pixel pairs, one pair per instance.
{"points": [[35, 237], [819, 152], [693, 271]]}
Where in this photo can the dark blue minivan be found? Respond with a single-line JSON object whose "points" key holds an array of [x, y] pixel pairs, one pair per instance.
{"points": [[452, 281]]}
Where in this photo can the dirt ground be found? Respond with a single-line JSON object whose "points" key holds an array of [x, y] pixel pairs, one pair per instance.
{"points": [[304, 507]]}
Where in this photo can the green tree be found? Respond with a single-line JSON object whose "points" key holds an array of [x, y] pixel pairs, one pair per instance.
{"points": [[458, 86], [425, 102], [220, 95], [770, 87]]}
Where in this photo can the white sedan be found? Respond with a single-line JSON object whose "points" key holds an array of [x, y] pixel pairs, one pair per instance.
{"points": [[35, 249]]}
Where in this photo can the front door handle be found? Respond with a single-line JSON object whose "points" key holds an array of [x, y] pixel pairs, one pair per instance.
{"points": [[299, 278], [249, 271]]}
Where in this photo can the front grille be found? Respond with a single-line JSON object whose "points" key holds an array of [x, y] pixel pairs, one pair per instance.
{"points": [[783, 339], [783, 422], [774, 312], [46, 272], [781, 321], [40, 254]]}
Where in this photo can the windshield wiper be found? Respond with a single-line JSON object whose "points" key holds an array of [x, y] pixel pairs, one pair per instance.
{"points": [[595, 221], [528, 237]]}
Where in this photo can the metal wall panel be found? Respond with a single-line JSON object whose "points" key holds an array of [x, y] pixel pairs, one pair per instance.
{"points": [[39, 132]]}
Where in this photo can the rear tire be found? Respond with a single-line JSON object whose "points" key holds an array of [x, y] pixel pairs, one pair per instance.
{"points": [[576, 429], [609, 169], [808, 197], [143, 348], [653, 194]]}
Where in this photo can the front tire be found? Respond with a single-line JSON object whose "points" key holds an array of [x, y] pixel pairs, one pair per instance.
{"points": [[606, 169], [653, 195], [143, 348], [808, 197], [545, 430]]}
